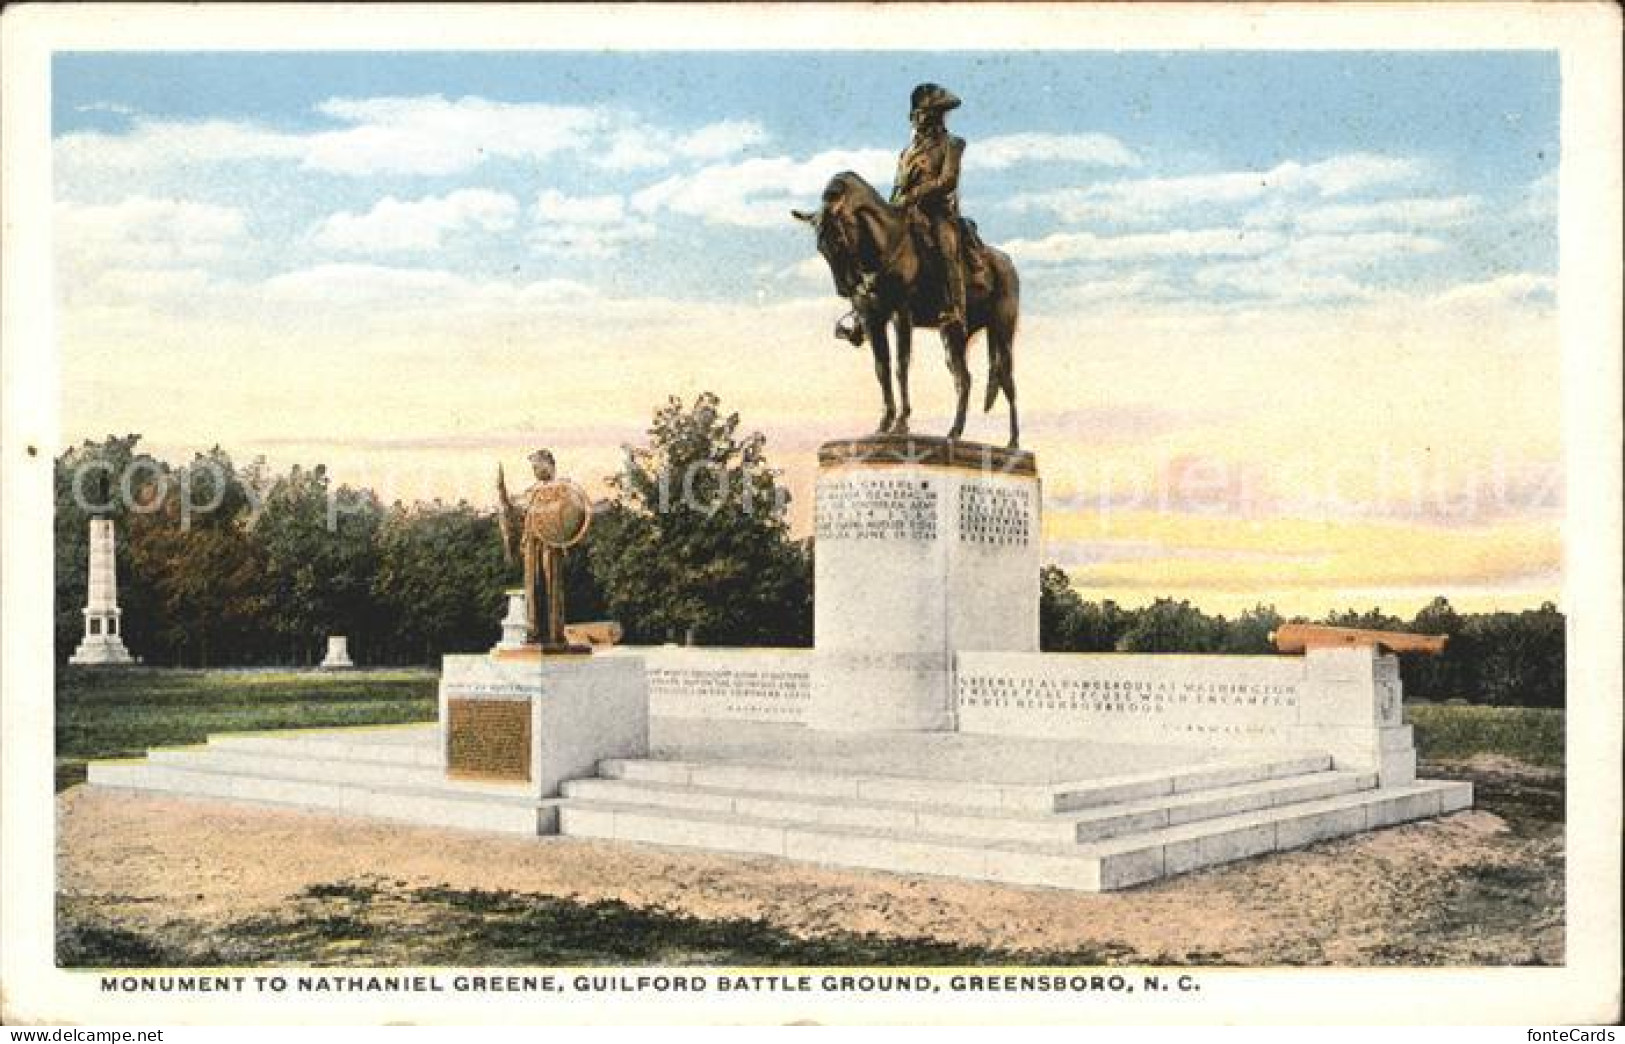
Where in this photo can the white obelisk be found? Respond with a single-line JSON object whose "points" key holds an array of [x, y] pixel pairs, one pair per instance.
{"points": [[103, 643]]}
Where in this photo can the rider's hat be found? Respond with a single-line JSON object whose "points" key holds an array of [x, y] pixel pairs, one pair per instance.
{"points": [[931, 96], [539, 456]]}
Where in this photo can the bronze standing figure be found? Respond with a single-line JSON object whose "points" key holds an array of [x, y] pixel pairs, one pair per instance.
{"points": [[537, 527]]}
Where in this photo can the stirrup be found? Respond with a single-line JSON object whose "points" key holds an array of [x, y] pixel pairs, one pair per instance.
{"points": [[850, 329]]}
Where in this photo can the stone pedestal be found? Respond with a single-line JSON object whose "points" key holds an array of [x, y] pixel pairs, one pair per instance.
{"points": [[338, 654], [103, 643], [925, 547], [1355, 712], [532, 724]]}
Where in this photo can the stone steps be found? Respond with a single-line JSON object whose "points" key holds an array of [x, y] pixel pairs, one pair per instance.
{"points": [[942, 819], [1092, 834], [297, 765], [1012, 796], [387, 745], [1100, 865], [293, 783]]}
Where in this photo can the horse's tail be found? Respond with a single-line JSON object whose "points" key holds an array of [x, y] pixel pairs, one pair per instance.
{"points": [[1001, 327], [992, 379]]}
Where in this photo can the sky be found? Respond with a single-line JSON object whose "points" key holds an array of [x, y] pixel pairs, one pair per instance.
{"points": [[1289, 327]]}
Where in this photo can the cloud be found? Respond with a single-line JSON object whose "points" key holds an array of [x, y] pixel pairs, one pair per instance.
{"points": [[758, 192], [718, 140], [399, 226], [810, 272], [643, 147], [424, 135], [630, 151], [1246, 555], [1150, 198], [1317, 268], [435, 136], [1405, 213], [348, 284], [427, 135], [143, 232], [153, 145], [1000, 153], [593, 226], [1539, 202], [1116, 423], [1063, 247], [1517, 290]]}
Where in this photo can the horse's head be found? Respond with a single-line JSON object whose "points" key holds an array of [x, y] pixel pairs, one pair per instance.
{"points": [[836, 226]]}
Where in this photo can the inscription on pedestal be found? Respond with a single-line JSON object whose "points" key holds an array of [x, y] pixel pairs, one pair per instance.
{"points": [[736, 693], [1129, 698], [488, 740], [995, 516], [878, 509]]}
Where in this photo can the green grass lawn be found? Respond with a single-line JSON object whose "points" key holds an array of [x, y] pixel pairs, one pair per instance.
{"points": [[124, 713], [1448, 732]]}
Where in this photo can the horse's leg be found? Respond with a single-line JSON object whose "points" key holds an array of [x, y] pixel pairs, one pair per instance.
{"points": [[905, 345], [1005, 305], [1007, 383], [953, 339], [882, 349]]}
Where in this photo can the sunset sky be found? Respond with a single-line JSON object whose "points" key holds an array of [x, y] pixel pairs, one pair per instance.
{"points": [[1289, 327]]}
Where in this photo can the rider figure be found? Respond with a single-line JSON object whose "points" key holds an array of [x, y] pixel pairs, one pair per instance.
{"points": [[927, 187]]}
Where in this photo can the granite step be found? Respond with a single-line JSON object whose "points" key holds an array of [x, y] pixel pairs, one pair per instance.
{"points": [[297, 763], [392, 745], [1139, 858], [942, 819], [466, 806], [1010, 796], [1100, 865]]}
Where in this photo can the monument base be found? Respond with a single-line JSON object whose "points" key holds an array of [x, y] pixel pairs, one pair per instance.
{"points": [[881, 692], [104, 650], [537, 721], [926, 546]]}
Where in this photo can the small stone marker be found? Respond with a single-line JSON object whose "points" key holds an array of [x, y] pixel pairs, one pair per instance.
{"points": [[338, 654]]}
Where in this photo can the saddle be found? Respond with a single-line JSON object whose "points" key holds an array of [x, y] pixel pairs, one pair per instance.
{"points": [[971, 248]]}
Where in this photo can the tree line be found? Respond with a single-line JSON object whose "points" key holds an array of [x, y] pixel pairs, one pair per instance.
{"points": [[224, 564], [1500, 658]]}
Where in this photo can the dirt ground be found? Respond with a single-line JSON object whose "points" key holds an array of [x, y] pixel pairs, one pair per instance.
{"points": [[152, 880]]}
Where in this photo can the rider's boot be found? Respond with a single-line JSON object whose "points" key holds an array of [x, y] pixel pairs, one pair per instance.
{"points": [[953, 305]]}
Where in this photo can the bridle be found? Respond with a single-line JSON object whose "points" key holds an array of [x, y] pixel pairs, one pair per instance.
{"points": [[836, 225]]}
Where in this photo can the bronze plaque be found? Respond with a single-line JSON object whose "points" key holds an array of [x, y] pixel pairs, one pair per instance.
{"points": [[488, 740]]}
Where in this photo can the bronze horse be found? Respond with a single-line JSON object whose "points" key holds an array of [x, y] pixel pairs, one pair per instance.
{"points": [[877, 265]]}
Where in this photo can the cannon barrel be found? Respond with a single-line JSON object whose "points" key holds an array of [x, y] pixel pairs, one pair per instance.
{"points": [[1295, 638]]}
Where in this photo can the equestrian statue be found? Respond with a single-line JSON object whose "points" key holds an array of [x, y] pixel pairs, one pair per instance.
{"points": [[913, 261]]}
